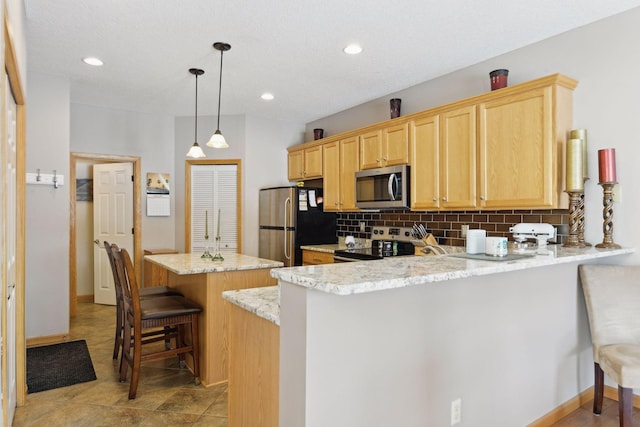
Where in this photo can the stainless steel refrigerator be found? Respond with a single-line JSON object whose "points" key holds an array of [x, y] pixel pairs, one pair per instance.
{"points": [[291, 217]]}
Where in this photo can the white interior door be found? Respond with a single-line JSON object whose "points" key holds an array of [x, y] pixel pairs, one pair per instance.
{"points": [[112, 221], [10, 189]]}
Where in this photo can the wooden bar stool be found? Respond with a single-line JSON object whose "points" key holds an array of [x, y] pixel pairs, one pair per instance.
{"points": [[172, 313], [151, 292]]}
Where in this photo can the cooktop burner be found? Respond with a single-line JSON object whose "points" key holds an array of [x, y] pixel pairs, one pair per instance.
{"points": [[388, 241]]}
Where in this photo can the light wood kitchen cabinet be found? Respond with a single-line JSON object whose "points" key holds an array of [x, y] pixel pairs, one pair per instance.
{"points": [[310, 257], [388, 146], [519, 135], [340, 165], [457, 158], [305, 163], [425, 170]]}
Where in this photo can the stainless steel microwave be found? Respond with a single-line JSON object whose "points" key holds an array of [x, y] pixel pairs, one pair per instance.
{"points": [[383, 188]]}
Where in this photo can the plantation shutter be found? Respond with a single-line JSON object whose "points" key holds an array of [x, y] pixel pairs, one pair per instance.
{"points": [[214, 188]]}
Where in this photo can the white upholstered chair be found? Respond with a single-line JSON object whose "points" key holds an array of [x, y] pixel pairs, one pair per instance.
{"points": [[612, 295]]}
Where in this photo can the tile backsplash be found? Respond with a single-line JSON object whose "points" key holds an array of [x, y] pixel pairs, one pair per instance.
{"points": [[446, 226]]}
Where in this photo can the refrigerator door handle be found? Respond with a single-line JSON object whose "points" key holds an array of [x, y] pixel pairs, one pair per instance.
{"points": [[286, 215]]}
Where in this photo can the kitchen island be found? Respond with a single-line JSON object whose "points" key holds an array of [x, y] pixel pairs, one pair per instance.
{"points": [[203, 281], [396, 341]]}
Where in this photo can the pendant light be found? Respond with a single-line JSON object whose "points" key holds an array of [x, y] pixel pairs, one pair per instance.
{"points": [[196, 152], [217, 140]]}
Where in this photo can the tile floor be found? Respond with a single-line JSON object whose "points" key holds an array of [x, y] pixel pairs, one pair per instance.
{"points": [[167, 395]]}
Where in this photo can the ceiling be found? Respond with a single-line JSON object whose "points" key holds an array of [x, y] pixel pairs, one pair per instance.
{"points": [[291, 48]]}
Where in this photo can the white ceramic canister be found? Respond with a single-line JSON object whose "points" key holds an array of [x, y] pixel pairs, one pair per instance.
{"points": [[496, 246], [476, 241]]}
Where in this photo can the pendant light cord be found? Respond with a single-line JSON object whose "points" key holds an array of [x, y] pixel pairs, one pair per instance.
{"points": [[196, 127], [220, 89]]}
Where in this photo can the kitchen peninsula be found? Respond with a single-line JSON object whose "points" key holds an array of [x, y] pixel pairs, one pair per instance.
{"points": [[396, 341], [203, 281]]}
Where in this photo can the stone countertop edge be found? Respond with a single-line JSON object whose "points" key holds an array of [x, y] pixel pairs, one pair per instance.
{"points": [[194, 264], [263, 302], [397, 272]]}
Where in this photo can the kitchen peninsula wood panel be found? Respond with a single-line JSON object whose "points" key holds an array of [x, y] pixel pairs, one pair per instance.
{"points": [[255, 371]]}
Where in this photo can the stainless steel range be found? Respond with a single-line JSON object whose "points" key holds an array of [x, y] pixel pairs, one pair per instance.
{"points": [[386, 242]]}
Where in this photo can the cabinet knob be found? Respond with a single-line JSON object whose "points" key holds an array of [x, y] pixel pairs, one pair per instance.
{"points": [[384, 158], [435, 199], [341, 203], [335, 203], [444, 199], [377, 160], [482, 197]]}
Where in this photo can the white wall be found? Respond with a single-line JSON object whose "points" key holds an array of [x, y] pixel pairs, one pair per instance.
{"points": [[100, 130], [601, 57], [47, 212]]}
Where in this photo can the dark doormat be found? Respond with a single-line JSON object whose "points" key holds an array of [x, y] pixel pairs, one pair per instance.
{"points": [[58, 365]]}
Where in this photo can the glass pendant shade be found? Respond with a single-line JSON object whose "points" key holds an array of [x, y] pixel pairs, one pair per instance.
{"points": [[217, 140], [195, 152]]}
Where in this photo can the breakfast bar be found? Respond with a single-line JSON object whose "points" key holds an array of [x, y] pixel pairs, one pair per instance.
{"points": [[397, 341], [203, 281]]}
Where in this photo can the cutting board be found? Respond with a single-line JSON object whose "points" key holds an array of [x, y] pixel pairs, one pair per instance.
{"points": [[483, 257]]}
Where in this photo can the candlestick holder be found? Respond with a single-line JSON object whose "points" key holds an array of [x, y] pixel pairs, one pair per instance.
{"points": [[576, 216], [581, 222], [607, 215], [206, 254], [218, 256]]}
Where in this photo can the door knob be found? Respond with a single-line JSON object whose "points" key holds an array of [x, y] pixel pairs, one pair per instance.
{"points": [[97, 242]]}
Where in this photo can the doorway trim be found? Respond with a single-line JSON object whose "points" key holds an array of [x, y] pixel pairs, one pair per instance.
{"points": [[137, 218], [11, 66]]}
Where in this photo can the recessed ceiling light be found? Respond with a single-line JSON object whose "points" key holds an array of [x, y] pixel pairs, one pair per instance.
{"points": [[267, 96], [353, 49], [92, 60]]}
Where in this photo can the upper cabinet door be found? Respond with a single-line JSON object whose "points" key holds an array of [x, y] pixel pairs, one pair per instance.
{"points": [[395, 147], [458, 158], [371, 150], [425, 136], [295, 162], [349, 165], [313, 162], [516, 150], [331, 176]]}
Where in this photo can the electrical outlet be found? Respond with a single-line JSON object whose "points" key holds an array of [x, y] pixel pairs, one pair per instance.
{"points": [[362, 226], [463, 230], [456, 411]]}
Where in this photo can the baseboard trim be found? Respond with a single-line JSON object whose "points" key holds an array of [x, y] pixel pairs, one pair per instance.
{"points": [[47, 340], [571, 405], [85, 298], [563, 410], [612, 393]]}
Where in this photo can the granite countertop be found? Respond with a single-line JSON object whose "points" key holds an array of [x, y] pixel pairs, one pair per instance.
{"points": [[194, 264], [396, 272], [264, 302]]}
